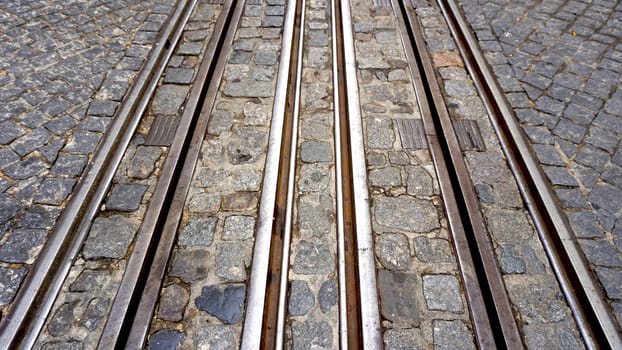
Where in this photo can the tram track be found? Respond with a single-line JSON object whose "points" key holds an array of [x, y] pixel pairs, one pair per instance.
{"points": [[267, 323]]}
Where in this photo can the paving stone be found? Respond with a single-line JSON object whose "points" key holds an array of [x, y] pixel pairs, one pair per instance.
{"points": [[605, 198], [301, 298], [327, 295], [9, 131], [385, 177], [459, 88], [125, 197], [54, 190], [314, 178], [488, 167], [265, 58], [82, 142], [143, 162], [560, 176], [452, 335], [380, 134], [511, 261], [442, 292], [601, 252], [63, 345], [198, 231], [571, 198], [548, 154], [247, 145], [22, 246], [547, 336], [316, 215], [225, 304], [406, 213], [419, 182], [166, 339], [169, 99], [248, 89], [190, 264], [316, 151], [537, 301], [190, 49], [232, 260], [95, 313], [178, 76], [256, 114], [508, 225], [592, 157], [216, 338], [584, 224], [397, 300], [403, 339], [204, 203], [247, 180], [25, 169], [90, 280], [10, 280], [392, 250], [172, 303], [313, 258], [9, 207], [570, 131], [105, 108], [239, 201], [49, 152], [110, 237], [312, 335], [431, 250], [220, 121], [7, 157], [239, 228], [69, 165]]}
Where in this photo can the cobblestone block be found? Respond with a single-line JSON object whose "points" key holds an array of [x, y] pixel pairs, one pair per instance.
{"points": [[54, 190], [541, 336], [82, 142], [166, 339], [9, 131], [190, 264], [126, 197], [9, 207], [601, 252], [198, 231], [398, 339], [10, 280], [216, 337], [393, 251], [432, 250], [452, 335], [172, 303], [406, 213], [442, 292], [315, 215], [109, 237], [313, 258], [312, 335], [232, 260], [178, 76], [560, 176], [327, 295], [397, 300], [385, 177], [508, 225], [301, 298], [32, 141], [225, 304], [22, 246], [316, 151], [69, 165], [168, 99]]}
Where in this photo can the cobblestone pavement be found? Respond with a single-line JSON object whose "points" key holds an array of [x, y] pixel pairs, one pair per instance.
{"points": [[64, 68], [80, 312], [559, 64]]}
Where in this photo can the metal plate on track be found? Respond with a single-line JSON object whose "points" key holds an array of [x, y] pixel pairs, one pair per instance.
{"points": [[216, 1], [412, 133], [162, 131], [254, 2], [382, 3], [469, 136]]}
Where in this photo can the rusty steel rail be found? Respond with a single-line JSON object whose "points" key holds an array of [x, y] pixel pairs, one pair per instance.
{"points": [[594, 318], [490, 308], [26, 316], [133, 307]]}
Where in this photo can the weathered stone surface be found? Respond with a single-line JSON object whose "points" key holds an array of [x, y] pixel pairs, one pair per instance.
{"points": [[398, 303], [301, 298], [125, 197], [190, 264], [95, 313], [508, 225], [314, 178], [172, 303], [380, 133], [90, 280], [392, 250], [225, 304], [204, 203], [385, 177], [537, 301], [406, 213], [313, 259], [452, 335], [548, 336], [403, 339], [10, 280], [232, 260], [430, 250], [316, 151], [312, 335], [198, 231], [169, 98], [327, 296], [166, 339], [419, 182], [143, 162], [239, 227], [511, 261], [239, 201], [216, 338], [442, 292], [23, 246], [61, 320], [315, 215], [109, 237], [248, 89]]}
